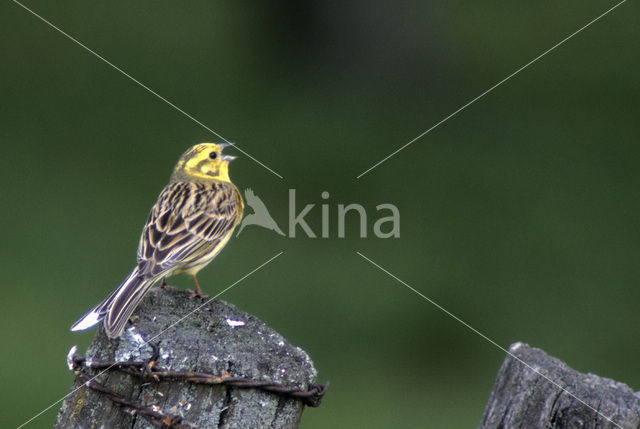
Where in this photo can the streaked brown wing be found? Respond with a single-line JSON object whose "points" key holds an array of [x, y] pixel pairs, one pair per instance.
{"points": [[188, 220]]}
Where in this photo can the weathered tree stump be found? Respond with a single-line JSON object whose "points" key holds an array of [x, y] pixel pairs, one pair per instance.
{"points": [[523, 399], [217, 343]]}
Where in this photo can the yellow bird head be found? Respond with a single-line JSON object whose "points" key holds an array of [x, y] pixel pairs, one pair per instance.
{"points": [[203, 162]]}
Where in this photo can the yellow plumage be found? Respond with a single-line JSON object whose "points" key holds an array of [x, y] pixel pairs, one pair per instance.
{"points": [[189, 224]]}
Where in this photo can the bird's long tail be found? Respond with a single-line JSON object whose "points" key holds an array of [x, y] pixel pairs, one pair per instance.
{"points": [[117, 307]]}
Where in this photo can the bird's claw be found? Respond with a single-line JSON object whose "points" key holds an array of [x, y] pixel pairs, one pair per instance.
{"points": [[196, 294]]}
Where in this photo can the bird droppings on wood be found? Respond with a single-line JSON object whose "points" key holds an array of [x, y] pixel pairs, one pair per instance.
{"points": [[515, 346], [136, 336], [72, 352], [235, 323]]}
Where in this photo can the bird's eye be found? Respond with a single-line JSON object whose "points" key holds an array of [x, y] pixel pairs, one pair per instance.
{"points": [[213, 155]]}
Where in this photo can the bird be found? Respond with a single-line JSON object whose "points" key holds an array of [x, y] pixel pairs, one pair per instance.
{"points": [[191, 222], [260, 215]]}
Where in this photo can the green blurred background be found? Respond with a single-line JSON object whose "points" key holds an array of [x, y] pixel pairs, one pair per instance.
{"points": [[519, 215]]}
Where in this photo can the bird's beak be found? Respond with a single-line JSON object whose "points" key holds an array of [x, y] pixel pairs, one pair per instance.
{"points": [[226, 157]]}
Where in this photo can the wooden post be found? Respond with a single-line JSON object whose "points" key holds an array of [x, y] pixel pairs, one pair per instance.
{"points": [[214, 345], [521, 398]]}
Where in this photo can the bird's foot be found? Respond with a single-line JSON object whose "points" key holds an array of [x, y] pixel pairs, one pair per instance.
{"points": [[196, 294], [165, 286]]}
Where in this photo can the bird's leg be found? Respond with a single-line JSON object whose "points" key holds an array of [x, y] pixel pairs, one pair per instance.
{"points": [[163, 284], [198, 293], [198, 290]]}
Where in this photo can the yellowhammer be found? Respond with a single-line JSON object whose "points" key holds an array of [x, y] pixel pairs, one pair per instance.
{"points": [[191, 222]]}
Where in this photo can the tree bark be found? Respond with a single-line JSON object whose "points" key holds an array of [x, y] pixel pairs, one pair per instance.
{"points": [[216, 339], [521, 398]]}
